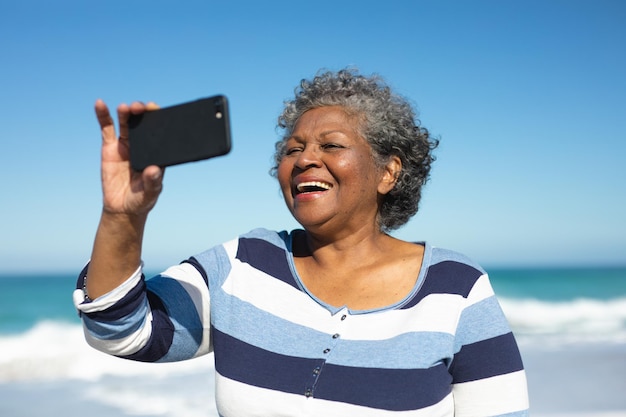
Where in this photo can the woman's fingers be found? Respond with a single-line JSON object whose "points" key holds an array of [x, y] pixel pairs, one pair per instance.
{"points": [[117, 148], [152, 178], [151, 105], [138, 107], [123, 113], [105, 121]]}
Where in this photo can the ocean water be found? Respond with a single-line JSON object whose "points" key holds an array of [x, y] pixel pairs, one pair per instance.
{"points": [[570, 325]]}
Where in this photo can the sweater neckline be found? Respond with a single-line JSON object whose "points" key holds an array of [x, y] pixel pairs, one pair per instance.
{"points": [[336, 309]]}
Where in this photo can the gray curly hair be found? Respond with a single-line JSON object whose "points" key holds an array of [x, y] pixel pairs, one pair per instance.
{"points": [[388, 123]]}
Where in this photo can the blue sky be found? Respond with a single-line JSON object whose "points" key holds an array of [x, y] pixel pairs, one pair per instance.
{"points": [[527, 98]]}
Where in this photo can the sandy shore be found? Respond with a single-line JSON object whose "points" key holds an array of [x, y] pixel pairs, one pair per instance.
{"points": [[577, 381]]}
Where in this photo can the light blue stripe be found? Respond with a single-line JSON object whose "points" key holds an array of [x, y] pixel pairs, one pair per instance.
{"points": [[441, 255], [117, 329], [241, 320], [216, 264], [276, 238], [481, 321], [406, 351]]}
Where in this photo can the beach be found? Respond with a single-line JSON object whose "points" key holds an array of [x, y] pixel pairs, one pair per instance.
{"points": [[573, 347], [577, 381]]}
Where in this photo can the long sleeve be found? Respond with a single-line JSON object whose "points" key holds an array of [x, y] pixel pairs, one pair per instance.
{"points": [[162, 319]]}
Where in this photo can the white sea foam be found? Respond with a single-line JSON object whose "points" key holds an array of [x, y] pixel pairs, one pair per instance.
{"points": [[575, 321], [53, 350]]}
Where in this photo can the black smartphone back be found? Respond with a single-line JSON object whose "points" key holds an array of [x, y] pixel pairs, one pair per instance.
{"points": [[182, 133]]}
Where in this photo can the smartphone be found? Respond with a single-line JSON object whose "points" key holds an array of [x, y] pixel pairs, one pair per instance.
{"points": [[174, 135]]}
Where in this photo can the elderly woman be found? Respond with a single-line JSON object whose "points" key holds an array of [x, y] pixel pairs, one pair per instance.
{"points": [[336, 319]]}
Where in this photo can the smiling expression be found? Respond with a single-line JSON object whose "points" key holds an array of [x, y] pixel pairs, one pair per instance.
{"points": [[327, 174]]}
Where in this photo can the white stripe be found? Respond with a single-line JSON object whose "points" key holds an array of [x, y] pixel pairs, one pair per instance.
{"points": [[231, 248], [193, 283], [125, 346], [497, 395], [236, 399], [435, 313], [262, 291], [480, 291], [107, 300]]}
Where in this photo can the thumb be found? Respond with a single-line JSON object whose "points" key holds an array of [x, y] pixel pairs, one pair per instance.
{"points": [[153, 179]]}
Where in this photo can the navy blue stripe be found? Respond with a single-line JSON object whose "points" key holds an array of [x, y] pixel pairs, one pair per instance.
{"points": [[448, 277], [81, 278], [193, 261], [389, 389], [162, 333], [127, 305], [249, 364], [266, 257], [491, 357]]}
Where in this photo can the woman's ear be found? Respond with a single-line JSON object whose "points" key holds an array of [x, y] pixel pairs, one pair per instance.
{"points": [[391, 172]]}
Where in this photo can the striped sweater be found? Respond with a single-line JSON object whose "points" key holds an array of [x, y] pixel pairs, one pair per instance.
{"points": [[445, 350]]}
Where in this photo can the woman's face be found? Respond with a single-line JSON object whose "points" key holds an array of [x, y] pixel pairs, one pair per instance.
{"points": [[328, 175]]}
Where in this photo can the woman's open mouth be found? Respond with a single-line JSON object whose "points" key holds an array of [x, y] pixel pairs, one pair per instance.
{"points": [[312, 187]]}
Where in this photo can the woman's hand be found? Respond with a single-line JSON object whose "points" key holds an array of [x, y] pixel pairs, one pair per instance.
{"points": [[128, 196], [125, 191]]}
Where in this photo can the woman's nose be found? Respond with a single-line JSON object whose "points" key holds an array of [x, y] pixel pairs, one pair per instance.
{"points": [[309, 157]]}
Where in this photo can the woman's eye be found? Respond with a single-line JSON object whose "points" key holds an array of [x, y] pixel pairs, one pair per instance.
{"points": [[329, 146], [291, 151]]}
